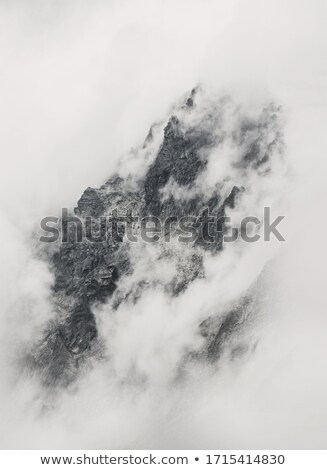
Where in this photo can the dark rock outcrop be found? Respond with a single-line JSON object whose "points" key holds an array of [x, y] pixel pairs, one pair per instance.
{"points": [[88, 272]]}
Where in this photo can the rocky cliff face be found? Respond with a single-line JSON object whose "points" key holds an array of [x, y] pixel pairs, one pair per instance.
{"points": [[176, 183]]}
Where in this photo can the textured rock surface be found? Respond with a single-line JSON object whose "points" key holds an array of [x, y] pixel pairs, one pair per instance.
{"points": [[90, 272]]}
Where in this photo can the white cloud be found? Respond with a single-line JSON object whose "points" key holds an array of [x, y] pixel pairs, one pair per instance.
{"points": [[81, 84]]}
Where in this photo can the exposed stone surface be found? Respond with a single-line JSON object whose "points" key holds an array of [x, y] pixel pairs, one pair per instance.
{"points": [[89, 272]]}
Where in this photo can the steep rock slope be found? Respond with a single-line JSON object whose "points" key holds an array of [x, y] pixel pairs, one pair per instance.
{"points": [[176, 182]]}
